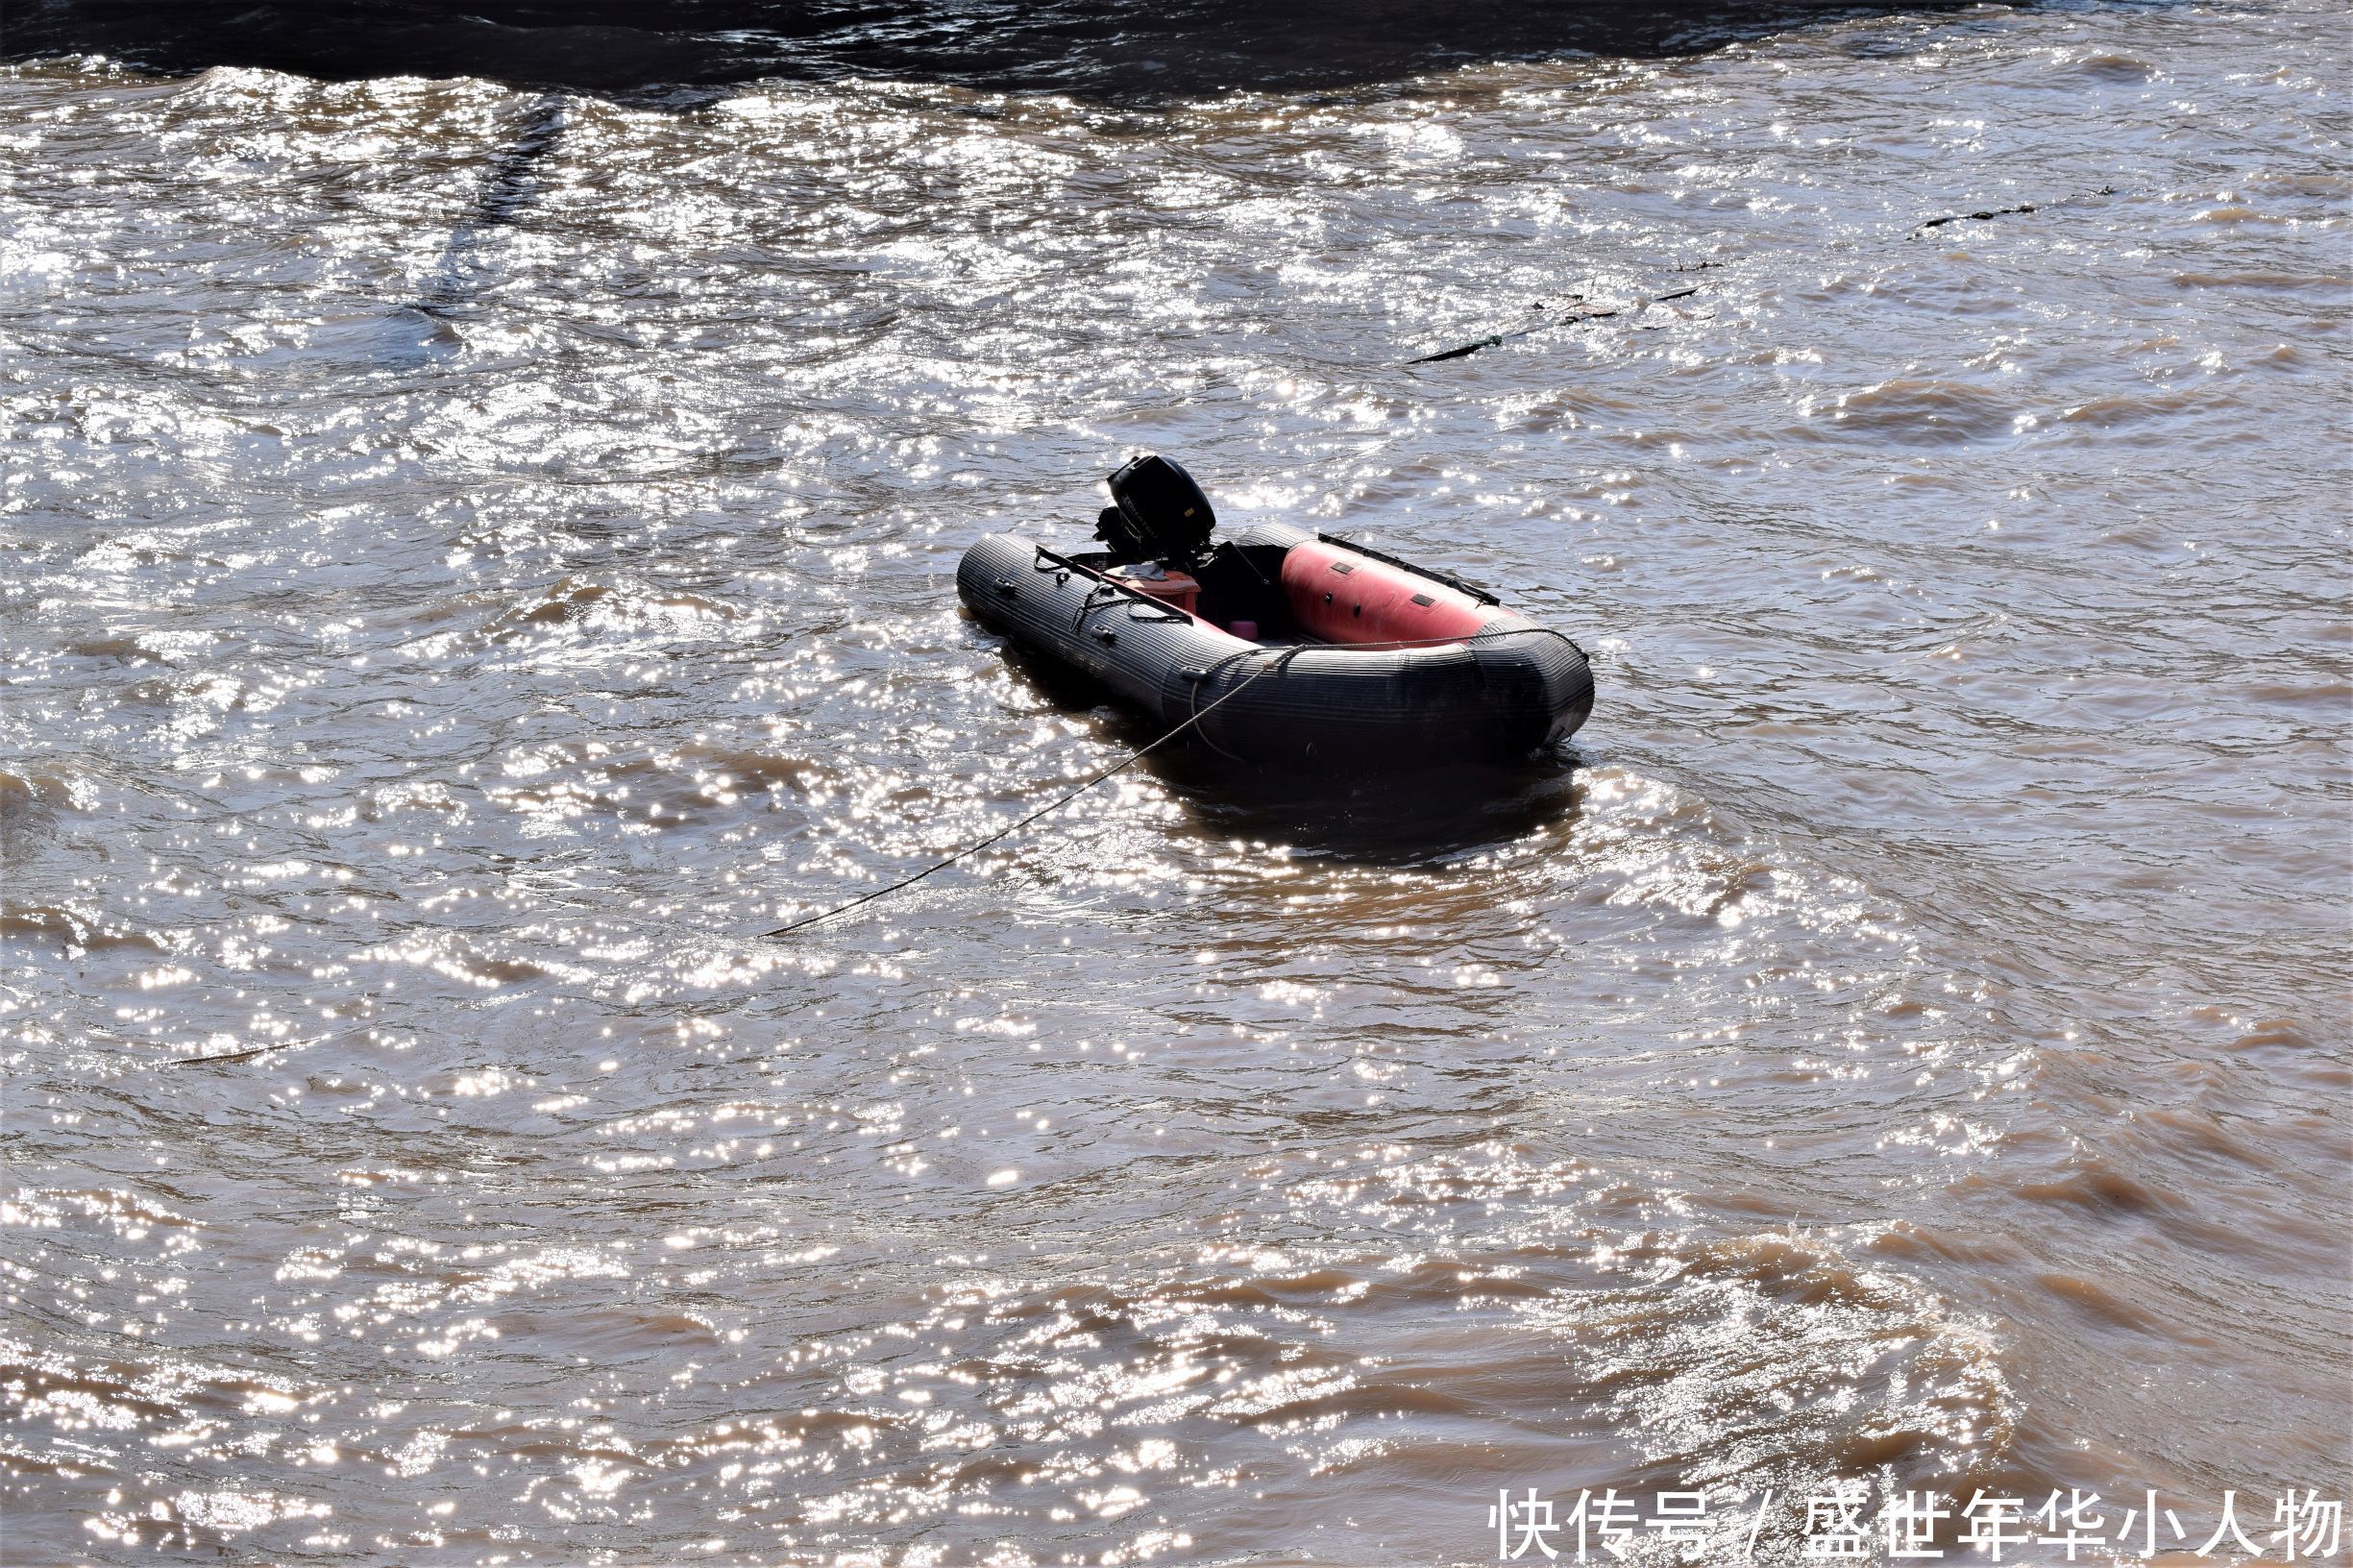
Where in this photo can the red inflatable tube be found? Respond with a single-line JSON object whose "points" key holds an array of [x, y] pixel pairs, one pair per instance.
{"points": [[1341, 597]]}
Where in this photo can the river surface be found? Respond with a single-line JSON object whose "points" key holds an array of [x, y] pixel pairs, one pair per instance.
{"points": [[1902, 1039]]}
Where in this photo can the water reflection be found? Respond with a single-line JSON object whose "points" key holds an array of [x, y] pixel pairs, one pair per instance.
{"points": [[507, 188], [1093, 48], [1426, 818]]}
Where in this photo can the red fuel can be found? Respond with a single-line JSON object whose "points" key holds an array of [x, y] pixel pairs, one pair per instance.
{"points": [[1177, 588]]}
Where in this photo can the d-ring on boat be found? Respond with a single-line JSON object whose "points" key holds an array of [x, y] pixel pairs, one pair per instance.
{"points": [[1288, 649]]}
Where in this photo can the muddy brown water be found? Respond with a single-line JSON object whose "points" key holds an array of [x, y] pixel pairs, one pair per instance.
{"points": [[1903, 1039]]}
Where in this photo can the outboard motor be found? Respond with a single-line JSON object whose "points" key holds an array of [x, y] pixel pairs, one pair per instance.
{"points": [[1158, 514]]}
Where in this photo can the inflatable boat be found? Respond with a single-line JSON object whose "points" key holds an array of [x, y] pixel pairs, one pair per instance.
{"points": [[1277, 646]]}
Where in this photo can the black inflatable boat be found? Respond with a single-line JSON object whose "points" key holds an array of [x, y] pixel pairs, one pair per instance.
{"points": [[1283, 647]]}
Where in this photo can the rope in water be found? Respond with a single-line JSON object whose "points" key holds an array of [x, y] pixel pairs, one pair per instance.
{"points": [[1579, 317], [1988, 214], [1498, 339], [1278, 661], [1047, 810]]}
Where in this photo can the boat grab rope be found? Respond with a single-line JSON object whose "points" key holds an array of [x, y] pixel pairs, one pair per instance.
{"points": [[1281, 660]]}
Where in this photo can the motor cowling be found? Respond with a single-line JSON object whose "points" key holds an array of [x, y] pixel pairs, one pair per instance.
{"points": [[1158, 513]]}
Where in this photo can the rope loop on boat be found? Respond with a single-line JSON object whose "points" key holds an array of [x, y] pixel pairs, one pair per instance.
{"points": [[1198, 712]]}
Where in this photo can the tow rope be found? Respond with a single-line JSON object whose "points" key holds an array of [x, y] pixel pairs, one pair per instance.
{"points": [[1281, 658], [1497, 339], [1047, 810]]}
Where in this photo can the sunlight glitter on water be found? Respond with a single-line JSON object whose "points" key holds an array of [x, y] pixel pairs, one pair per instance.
{"points": [[1904, 1041]]}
